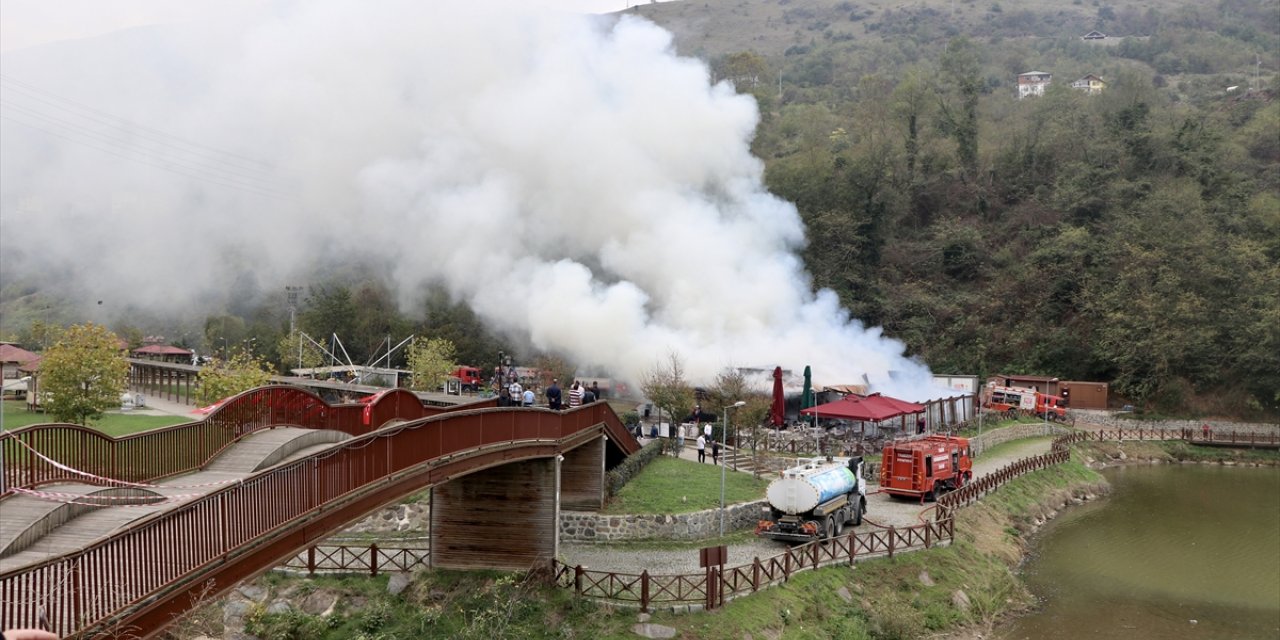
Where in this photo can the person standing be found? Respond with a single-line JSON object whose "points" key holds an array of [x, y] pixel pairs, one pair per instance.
{"points": [[595, 390], [553, 395], [706, 430], [528, 397], [517, 393], [702, 448], [588, 396], [575, 395], [715, 452]]}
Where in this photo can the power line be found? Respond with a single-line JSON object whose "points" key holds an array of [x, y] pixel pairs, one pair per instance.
{"points": [[126, 146], [168, 166], [131, 127]]}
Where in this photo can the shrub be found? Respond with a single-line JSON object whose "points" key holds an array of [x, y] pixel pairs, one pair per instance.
{"points": [[632, 466]]}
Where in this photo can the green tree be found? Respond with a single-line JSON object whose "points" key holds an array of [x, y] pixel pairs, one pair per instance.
{"points": [[240, 372], [431, 360], [296, 351], [664, 385], [83, 374], [553, 367], [960, 67]]}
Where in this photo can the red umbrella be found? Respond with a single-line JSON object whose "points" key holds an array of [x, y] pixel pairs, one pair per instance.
{"points": [[778, 413]]}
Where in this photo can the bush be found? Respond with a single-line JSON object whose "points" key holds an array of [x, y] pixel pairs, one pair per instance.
{"points": [[618, 478]]}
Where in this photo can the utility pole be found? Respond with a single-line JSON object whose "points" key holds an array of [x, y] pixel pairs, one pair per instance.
{"points": [[292, 292]]}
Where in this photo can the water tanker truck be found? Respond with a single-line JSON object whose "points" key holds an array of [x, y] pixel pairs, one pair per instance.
{"points": [[815, 500]]}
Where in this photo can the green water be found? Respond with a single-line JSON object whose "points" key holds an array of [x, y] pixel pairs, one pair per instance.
{"points": [[1170, 545]]}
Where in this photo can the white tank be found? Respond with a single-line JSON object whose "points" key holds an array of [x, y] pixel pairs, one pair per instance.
{"points": [[802, 488]]}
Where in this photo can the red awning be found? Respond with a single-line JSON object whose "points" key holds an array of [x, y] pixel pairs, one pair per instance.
{"points": [[872, 408]]}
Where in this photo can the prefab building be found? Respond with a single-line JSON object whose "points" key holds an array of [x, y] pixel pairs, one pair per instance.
{"points": [[1084, 395]]}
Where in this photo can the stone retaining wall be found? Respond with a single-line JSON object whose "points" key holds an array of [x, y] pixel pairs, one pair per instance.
{"points": [[585, 526], [1111, 420], [1017, 432]]}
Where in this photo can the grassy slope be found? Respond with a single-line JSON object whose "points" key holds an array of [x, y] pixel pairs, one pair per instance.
{"points": [[670, 485]]}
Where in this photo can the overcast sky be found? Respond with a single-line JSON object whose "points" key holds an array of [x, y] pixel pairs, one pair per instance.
{"points": [[25, 23]]}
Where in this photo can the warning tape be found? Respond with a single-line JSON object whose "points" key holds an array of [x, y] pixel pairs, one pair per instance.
{"points": [[101, 500], [125, 483]]}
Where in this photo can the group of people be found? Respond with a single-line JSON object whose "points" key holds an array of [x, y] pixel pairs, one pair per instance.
{"points": [[516, 395]]}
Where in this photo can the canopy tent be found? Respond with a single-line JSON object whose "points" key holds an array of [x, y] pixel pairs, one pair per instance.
{"points": [[872, 408]]}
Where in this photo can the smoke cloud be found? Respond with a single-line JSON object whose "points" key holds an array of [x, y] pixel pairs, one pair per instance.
{"points": [[577, 183]]}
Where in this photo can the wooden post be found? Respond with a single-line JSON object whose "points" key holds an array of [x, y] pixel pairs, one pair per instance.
{"points": [[928, 535], [755, 575], [853, 546], [577, 579], [644, 591], [311, 560], [893, 533]]}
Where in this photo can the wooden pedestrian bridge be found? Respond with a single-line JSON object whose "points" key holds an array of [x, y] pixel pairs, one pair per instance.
{"points": [[116, 537]]}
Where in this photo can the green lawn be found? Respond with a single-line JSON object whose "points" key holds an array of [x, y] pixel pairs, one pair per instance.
{"points": [[671, 485], [115, 424]]}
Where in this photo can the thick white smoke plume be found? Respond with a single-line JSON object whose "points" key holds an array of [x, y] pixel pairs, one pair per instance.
{"points": [[571, 178]]}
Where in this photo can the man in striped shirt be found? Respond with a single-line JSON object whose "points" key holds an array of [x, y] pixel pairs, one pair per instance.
{"points": [[575, 395]]}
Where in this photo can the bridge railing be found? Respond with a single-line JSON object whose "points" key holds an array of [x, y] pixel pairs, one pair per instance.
{"points": [[79, 590], [157, 453]]}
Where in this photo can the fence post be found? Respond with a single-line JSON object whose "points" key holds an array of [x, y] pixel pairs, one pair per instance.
{"points": [[853, 546], [893, 533], [928, 536], [786, 567], [311, 560], [373, 559], [577, 579], [644, 591]]}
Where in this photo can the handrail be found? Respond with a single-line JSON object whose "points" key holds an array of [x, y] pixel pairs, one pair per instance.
{"points": [[252, 524], [150, 455]]}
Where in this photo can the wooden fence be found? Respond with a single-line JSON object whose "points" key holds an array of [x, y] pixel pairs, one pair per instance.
{"points": [[715, 586]]}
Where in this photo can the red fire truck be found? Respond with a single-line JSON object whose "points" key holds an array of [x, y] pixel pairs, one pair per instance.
{"points": [[1011, 400], [925, 468]]}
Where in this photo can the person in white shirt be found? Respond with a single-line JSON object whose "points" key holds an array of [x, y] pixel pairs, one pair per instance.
{"points": [[517, 393], [702, 448], [575, 395], [706, 430], [528, 397]]}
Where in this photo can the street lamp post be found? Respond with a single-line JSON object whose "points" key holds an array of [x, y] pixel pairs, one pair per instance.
{"points": [[722, 465]]}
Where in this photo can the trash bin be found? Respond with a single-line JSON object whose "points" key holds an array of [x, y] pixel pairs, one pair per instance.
{"points": [[139, 401]]}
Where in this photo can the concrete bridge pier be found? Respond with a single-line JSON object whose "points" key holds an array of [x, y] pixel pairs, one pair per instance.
{"points": [[503, 517]]}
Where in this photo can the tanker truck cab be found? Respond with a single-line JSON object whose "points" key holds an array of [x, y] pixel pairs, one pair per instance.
{"points": [[815, 500]]}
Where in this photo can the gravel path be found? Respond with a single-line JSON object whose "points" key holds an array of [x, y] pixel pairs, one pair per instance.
{"points": [[881, 510]]}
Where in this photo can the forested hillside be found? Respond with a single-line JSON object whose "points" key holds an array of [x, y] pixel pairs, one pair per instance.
{"points": [[1131, 236]]}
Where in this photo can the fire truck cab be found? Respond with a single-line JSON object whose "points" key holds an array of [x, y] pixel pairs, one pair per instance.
{"points": [[924, 468]]}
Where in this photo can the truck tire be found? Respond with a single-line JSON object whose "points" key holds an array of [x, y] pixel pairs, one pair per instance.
{"points": [[858, 508], [828, 528]]}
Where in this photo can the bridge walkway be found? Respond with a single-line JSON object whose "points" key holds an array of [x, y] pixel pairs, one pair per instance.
{"points": [[37, 528]]}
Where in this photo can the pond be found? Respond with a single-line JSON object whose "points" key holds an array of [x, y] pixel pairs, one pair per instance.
{"points": [[1176, 551]]}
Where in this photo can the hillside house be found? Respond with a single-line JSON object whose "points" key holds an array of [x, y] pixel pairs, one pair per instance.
{"points": [[1033, 83], [12, 358], [1090, 84]]}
